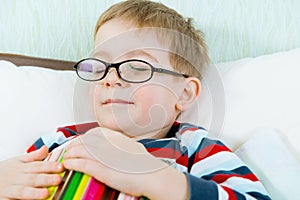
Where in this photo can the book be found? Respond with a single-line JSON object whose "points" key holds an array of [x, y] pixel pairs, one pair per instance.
{"points": [[79, 186]]}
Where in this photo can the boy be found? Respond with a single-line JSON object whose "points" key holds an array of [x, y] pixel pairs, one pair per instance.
{"points": [[146, 69]]}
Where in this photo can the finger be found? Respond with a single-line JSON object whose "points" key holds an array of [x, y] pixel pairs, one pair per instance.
{"points": [[75, 142], [78, 151], [84, 165], [43, 167], [23, 192], [100, 172], [39, 180], [37, 155]]}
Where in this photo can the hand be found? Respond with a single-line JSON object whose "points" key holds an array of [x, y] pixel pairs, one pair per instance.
{"points": [[27, 176], [122, 163]]}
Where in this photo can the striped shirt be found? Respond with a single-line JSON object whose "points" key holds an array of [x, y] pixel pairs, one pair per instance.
{"points": [[212, 169]]}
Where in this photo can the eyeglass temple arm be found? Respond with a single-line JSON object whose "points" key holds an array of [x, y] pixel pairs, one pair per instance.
{"points": [[165, 71]]}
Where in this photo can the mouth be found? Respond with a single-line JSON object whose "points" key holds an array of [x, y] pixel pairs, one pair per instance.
{"points": [[116, 101]]}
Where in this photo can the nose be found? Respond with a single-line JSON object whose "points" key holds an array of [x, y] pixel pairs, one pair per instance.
{"points": [[112, 79]]}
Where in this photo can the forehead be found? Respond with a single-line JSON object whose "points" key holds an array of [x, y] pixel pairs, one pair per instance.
{"points": [[117, 38]]}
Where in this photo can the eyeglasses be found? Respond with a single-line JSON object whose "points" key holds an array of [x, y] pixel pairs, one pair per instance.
{"points": [[132, 71]]}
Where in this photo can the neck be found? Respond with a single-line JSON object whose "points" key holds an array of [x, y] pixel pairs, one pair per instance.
{"points": [[155, 134]]}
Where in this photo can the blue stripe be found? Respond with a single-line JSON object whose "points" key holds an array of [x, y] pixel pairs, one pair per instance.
{"points": [[71, 131], [243, 170], [238, 195], [163, 144], [208, 142], [53, 146], [39, 143], [259, 195]]}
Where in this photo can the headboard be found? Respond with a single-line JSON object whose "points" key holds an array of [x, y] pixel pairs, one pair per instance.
{"points": [[21, 60]]}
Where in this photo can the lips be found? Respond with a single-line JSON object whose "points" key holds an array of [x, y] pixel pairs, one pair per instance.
{"points": [[116, 101]]}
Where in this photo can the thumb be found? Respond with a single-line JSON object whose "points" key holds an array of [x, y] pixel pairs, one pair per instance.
{"points": [[37, 155]]}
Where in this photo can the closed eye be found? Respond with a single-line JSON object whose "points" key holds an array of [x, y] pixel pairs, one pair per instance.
{"points": [[138, 68]]}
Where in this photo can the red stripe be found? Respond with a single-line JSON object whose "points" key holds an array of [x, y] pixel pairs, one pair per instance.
{"points": [[220, 178], [31, 148], [164, 152], [169, 153], [79, 128], [183, 160], [209, 151], [189, 129], [176, 123], [65, 132], [82, 127], [230, 192]]}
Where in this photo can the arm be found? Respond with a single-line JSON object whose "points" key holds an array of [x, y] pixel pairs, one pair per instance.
{"points": [[125, 165], [27, 176], [217, 173]]}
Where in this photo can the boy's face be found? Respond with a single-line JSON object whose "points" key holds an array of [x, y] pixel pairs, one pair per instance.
{"points": [[135, 109]]}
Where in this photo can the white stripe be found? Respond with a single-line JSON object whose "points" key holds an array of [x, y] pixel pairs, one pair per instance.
{"points": [[192, 139], [180, 168], [48, 139], [166, 139], [250, 197], [172, 163], [220, 161], [61, 138], [244, 185], [57, 137], [222, 194]]}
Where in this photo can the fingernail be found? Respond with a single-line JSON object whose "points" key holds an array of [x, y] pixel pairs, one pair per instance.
{"points": [[59, 166], [56, 179], [44, 193]]}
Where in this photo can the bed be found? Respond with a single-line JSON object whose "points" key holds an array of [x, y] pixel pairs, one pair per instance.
{"points": [[259, 120]]}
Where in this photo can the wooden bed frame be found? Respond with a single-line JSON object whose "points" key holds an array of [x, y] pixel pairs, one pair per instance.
{"points": [[21, 60]]}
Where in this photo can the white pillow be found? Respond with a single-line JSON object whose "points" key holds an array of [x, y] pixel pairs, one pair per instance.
{"points": [[271, 159], [34, 101], [259, 92], [209, 110]]}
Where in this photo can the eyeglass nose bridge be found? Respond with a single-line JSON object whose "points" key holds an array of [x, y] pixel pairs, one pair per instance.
{"points": [[111, 66]]}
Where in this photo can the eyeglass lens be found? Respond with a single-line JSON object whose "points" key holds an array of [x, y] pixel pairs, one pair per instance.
{"points": [[133, 71]]}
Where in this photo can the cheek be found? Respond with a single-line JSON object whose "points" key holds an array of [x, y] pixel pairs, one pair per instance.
{"points": [[155, 101], [94, 94]]}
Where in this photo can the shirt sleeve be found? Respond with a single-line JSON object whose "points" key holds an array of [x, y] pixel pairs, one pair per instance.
{"points": [[208, 189], [62, 135], [215, 172]]}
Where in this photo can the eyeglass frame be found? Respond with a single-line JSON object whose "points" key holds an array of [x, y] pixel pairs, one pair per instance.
{"points": [[117, 66]]}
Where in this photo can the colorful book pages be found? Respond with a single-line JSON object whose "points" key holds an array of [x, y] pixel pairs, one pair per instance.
{"points": [[55, 156], [78, 186]]}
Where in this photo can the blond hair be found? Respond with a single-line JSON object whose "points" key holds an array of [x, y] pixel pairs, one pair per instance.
{"points": [[188, 50]]}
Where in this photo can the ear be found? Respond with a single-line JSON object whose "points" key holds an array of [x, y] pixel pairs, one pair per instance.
{"points": [[190, 94]]}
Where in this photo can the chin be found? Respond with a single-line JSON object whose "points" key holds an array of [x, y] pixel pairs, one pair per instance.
{"points": [[108, 122]]}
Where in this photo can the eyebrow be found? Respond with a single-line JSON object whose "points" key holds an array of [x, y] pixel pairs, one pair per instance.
{"points": [[105, 55], [102, 54], [142, 53]]}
